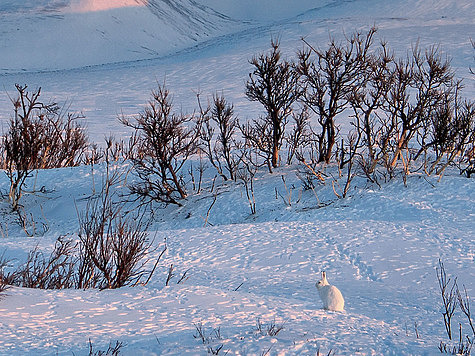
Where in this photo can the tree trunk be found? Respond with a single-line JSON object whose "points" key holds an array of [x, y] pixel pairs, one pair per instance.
{"points": [[275, 156], [330, 140]]}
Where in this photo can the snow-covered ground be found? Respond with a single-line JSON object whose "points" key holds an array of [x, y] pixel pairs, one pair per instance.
{"points": [[380, 246]]}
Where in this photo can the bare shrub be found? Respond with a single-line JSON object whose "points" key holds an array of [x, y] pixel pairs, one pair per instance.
{"points": [[287, 197], [165, 141], [404, 109], [423, 82], [451, 133], [206, 338], [258, 138], [246, 175], [464, 304], [3, 286], [197, 181], [451, 299], [349, 152], [39, 136], [113, 243], [112, 249], [115, 150], [5, 279], [300, 136], [31, 225], [467, 163], [220, 148], [271, 329], [171, 274], [328, 78], [367, 100], [112, 350], [273, 83], [56, 271]]}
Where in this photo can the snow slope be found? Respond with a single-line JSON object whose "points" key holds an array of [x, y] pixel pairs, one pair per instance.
{"points": [[220, 64], [51, 35], [380, 246]]}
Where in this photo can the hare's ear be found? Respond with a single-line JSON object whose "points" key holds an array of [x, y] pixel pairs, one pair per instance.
{"points": [[324, 275]]}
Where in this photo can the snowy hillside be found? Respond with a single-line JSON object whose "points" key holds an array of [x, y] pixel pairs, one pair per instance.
{"points": [[50, 35], [380, 247], [245, 272], [218, 64]]}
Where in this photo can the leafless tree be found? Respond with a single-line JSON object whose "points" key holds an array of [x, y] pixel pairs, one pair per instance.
{"points": [[467, 163], [273, 83], [450, 132], [448, 292], [258, 138], [366, 101], [300, 136], [422, 83], [328, 78], [165, 141], [246, 174], [5, 278], [451, 298], [220, 148], [349, 151]]}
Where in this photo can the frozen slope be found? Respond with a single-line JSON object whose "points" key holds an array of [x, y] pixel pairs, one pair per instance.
{"points": [[52, 35], [64, 34], [264, 11]]}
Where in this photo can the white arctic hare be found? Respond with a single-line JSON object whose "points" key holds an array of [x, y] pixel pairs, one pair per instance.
{"points": [[331, 296]]}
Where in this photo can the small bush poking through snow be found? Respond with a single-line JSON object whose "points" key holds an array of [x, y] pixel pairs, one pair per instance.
{"points": [[56, 271], [112, 349], [206, 339], [220, 148], [113, 244], [4, 280], [271, 329], [452, 298]]}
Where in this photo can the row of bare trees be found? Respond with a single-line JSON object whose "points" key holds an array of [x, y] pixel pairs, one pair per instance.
{"points": [[400, 108], [403, 112], [406, 114]]}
